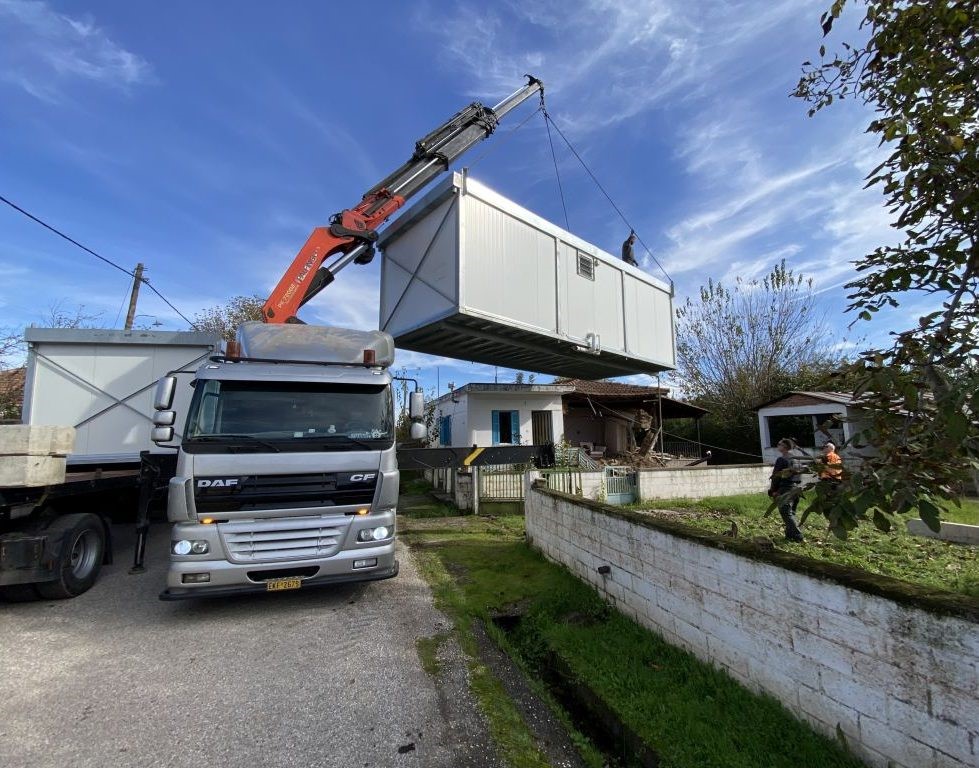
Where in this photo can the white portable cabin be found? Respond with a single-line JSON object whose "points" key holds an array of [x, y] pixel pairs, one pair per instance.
{"points": [[469, 274], [101, 382]]}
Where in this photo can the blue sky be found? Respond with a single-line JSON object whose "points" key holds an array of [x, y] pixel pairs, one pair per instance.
{"points": [[206, 140]]}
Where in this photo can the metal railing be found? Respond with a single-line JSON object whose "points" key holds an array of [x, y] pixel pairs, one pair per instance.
{"points": [[563, 480]]}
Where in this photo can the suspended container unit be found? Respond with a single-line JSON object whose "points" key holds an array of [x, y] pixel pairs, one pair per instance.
{"points": [[469, 274]]}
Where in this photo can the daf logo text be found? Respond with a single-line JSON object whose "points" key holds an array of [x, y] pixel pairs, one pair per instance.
{"points": [[229, 482]]}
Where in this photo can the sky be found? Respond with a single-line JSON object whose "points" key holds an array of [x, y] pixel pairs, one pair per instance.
{"points": [[206, 140]]}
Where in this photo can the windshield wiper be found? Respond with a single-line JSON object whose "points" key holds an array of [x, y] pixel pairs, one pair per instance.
{"points": [[351, 440], [222, 437]]}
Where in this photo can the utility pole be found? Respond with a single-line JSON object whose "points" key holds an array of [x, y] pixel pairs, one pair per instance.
{"points": [[137, 279]]}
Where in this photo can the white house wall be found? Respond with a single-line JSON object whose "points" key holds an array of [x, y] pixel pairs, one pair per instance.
{"points": [[460, 420], [480, 416]]}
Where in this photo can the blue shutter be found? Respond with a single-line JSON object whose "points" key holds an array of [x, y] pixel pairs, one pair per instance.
{"points": [[445, 431], [515, 427], [496, 427]]}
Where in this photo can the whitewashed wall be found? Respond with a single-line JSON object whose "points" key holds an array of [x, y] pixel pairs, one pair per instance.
{"points": [[703, 481], [900, 682]]}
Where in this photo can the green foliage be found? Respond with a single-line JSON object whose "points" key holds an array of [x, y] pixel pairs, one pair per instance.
{"points": [[225, 319], [740, 346], [918, 70]]}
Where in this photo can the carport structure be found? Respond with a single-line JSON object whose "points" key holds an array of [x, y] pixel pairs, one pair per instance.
{"points": [[604, 413]]}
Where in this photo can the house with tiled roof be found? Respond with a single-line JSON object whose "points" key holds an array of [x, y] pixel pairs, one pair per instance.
{"points": [[11, 394], [603, 417]]}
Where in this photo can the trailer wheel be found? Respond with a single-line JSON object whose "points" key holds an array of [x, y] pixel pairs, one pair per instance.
{"points": [[80, 558]]}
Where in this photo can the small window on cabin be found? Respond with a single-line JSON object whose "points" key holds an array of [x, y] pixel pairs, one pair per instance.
{"points": [[586, 266]]}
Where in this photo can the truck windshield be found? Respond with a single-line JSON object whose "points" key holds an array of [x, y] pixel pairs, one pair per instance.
{"points": [[291, 414]]}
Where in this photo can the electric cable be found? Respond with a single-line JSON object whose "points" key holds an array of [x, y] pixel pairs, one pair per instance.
{"points": [[608, 197], [88, 250]]}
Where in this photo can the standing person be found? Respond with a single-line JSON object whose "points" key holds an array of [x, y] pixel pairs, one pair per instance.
{"points": [[627, 256], [784, 477], [833, 471]]}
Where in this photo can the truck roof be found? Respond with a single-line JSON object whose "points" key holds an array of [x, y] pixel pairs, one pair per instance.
{"points": [[294, 372]]}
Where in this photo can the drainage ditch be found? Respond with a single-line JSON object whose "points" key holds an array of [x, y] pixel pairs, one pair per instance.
{"points": [[621, 746]]}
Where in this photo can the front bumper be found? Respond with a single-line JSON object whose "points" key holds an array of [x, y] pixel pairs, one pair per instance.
{"points": [[184, 592], [232, 578]]}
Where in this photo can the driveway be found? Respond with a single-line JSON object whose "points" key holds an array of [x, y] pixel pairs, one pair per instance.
{"points": [[324, 677]]}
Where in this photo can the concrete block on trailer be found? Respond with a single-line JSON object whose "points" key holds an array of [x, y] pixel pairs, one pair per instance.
{"points": [[31, 440], [31, 470]]}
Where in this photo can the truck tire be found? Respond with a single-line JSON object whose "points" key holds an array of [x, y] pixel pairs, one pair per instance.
{"points": [[80, 559]]}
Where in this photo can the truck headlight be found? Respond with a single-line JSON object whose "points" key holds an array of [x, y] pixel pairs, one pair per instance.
{"points": [[185, 547], [374, 534]]}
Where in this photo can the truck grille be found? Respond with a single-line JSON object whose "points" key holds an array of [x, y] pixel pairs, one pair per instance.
{"points": [[268, 492], [294, 538]]}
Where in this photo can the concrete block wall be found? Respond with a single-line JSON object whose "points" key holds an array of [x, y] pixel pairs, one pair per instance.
{"points": [[898, 677], [703, 481]]}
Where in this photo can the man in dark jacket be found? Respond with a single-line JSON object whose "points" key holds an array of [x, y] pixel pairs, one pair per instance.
{"points": [[785, 477], [627, 256]]}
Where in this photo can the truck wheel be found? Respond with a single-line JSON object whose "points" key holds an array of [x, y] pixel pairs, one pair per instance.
{"points": [[80, 558]]}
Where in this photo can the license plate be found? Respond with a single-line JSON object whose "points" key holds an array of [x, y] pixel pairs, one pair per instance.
{"points": [[290, 582]]}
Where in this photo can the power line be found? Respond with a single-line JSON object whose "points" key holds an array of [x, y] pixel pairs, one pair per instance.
{"points": [[88, 250]]}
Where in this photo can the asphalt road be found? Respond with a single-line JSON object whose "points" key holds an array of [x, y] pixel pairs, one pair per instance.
{"points": [[323, 677]]}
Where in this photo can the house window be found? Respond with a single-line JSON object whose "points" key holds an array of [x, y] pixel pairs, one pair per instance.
{"points": [[445, 430], [586, 266], [797, 427], [506, 427]]}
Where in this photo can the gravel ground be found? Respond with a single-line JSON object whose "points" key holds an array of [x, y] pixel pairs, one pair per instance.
{"points": [[323, 677]]}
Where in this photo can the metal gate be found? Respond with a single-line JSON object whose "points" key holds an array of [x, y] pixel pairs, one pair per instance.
{"points": [[500, 484], [620, 485]]}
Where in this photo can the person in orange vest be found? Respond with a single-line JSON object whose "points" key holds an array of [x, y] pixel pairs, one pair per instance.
{"points": [[833, 469]]}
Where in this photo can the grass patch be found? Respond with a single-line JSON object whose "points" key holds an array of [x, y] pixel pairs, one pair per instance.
{"points": [[416, 500], [428, 652], [898, 554], [692, 715], [510, 734]]}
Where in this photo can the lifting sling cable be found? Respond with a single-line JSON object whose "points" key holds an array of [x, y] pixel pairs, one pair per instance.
{"points": [[506, 137], [560, 187], [584, 165]]}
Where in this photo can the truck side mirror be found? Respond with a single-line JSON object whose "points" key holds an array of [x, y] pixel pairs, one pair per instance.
{"points": [[161, 434], [165, 388], [416, 405], [164, 418], [418, 431]]}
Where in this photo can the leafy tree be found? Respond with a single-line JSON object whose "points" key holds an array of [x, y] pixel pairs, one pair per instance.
{"points": [[743, 345], [225, 319], [918, 71]]}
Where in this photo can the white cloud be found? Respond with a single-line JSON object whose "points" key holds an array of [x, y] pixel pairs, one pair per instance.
{"points": [[42, 51]]}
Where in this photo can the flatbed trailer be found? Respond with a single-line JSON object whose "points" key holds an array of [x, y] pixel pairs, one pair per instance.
{"points": [[55, 538]]}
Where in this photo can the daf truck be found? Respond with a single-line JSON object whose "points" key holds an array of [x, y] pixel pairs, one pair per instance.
{"points": [[287, 472]]}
